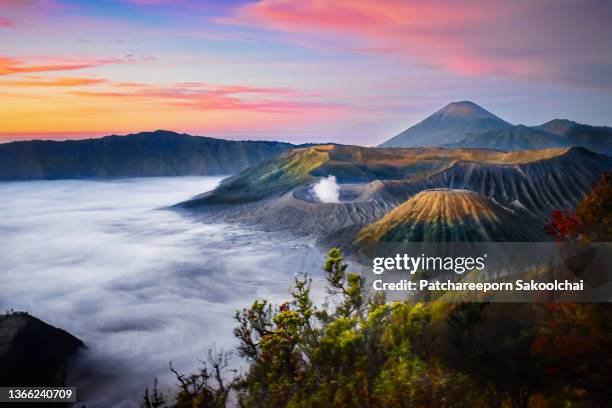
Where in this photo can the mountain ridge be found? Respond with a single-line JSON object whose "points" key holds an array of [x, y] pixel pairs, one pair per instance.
{"points": [[532, 183], [144, 154], [467, 125]]}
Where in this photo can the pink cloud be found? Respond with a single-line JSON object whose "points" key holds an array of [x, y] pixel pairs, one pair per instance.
{"points": [[201, 96], [13, 66], [9, 65], [523, 39], [38, 81], [6, 22]]}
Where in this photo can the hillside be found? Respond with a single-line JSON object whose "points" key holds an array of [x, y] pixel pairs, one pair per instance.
{"points": [[518, 137], [594, 138], [278, 194], [556, 133], [33, 353], [159, 153], [537, 180], [449, 125], [447, 215], [349, 164]]}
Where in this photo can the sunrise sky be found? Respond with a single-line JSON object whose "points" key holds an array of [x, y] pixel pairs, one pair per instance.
{"points": [[347, 71]]}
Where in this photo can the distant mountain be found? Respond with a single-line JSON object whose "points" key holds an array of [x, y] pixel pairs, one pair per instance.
{"points": [[448, 215], [33, 353], [159, 153], [594, 138], [518, 137], [556, 133], [560, 127], [449, 125]]}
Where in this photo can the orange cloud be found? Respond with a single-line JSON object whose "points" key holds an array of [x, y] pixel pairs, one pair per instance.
{"points": [[10, 65], [199, 96], [37, 81]]}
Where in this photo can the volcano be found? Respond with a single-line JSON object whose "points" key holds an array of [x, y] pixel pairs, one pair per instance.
{"points": [[448, 215], [449, 125]]}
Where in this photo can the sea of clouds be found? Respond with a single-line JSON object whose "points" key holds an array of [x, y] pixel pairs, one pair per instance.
{"points": [[139, 285]]}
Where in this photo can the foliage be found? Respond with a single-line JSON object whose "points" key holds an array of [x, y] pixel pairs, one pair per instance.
{"points": [[208, 388], [359, 351], [591, 221], [575, 341]]}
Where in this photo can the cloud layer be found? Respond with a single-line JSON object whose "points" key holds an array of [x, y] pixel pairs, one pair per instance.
{"points": [[141, 287]]}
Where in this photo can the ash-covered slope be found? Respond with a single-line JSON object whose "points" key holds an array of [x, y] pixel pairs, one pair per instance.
{"points": [[349, 164], [538, 181], [447, 215], [277, 195], [159, 153], [449, 125]]}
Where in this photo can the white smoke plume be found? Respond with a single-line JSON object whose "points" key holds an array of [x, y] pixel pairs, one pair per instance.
{"points": [[327, 190]]}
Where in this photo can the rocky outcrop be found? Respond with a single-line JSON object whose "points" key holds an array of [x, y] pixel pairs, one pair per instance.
{"points": [[33, 353]]}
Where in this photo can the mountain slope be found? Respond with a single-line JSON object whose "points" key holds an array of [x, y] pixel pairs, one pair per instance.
{"points": [[159, 153], [277, 195], [33, 353], [268, 178], [540, 180], [445, 215], [556, 133], [349, 164], [594, 138], [537, 180], [449, 125], [558, 127], [518, 137]]}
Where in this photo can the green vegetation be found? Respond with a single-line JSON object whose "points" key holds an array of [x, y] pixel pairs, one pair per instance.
{"points": [[359, 351], [290, 170]]}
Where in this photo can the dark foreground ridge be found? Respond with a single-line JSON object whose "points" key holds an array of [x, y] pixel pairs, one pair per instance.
{"points": [[33, 353]]}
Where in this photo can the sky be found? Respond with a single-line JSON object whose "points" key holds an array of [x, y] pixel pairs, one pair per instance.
{"points": [[349, 72]]}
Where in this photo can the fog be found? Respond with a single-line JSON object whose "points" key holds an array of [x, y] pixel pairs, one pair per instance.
{"points": [[139, 285], [327, 190]]}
